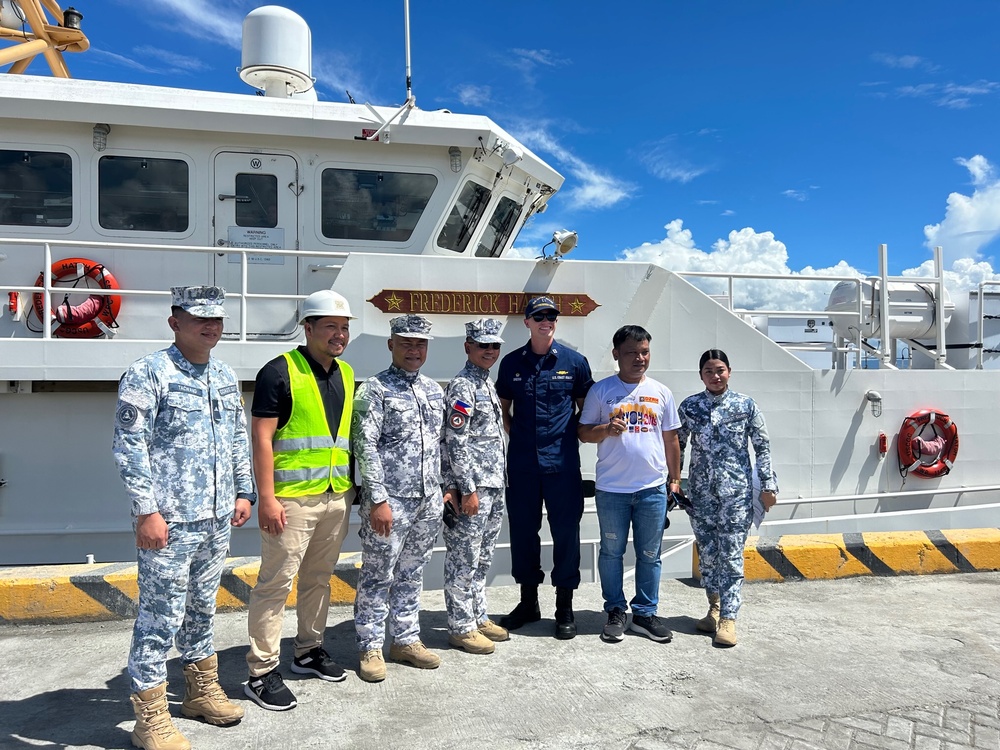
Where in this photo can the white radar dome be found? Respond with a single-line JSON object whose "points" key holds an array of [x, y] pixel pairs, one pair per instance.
{"points": [[911, 310], [277, 51]]}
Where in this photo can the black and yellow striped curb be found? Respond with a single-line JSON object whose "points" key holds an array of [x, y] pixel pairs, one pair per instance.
{"points": [[78, 593], [897, 553]]}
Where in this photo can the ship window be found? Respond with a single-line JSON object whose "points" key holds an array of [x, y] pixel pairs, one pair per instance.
{"points": [[373, 205], [257, 200], [36, 188], [464, 217], [498, 230], [143, 194]]}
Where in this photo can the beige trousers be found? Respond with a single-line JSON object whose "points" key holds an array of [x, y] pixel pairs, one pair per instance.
{"points": [[309, 546]]}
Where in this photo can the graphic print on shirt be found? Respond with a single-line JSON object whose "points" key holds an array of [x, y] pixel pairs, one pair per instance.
{"points": [[638, 417]]}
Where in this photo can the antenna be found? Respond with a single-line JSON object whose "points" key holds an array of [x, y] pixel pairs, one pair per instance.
{"points": [[406, 33]]}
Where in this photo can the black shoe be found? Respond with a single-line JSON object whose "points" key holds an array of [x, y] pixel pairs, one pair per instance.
{"points": [[526, 611], [651, 627], [269, 691], [317, 662], [614, 631], [565, 622]]}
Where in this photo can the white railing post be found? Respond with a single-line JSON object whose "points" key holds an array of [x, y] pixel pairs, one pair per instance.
{"points": [[886, 348], [46, 293]]}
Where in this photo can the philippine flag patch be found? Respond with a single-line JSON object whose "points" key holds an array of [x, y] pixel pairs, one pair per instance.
{"points": [[461, 407]]}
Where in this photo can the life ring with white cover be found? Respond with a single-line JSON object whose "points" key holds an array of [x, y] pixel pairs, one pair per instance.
{"points": [[913, 447], [93, 318]]}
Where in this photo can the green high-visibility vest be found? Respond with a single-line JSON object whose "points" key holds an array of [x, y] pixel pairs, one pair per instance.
{"points": [[307, 458]]}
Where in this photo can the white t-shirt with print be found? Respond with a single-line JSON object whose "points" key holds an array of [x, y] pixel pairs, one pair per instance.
{"points": [[634, 460]]}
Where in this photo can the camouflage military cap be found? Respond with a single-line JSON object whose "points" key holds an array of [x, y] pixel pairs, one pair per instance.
{"points": [[200, 301], [484, 331], [411, 326]]}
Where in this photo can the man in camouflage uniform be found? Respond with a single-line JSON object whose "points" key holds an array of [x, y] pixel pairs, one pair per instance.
{"points": [[396, 436], [477, 456], [182, 450]]}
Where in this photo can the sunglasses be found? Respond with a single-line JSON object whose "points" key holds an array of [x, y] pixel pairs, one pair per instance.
{"points": [[492, 345], [550, 316]]}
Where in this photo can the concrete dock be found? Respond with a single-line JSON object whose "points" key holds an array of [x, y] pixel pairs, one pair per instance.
{"points": [[878, 662]]}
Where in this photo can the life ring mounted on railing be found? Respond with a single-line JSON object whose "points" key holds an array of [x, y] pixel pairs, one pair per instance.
{"points": [[97, 316], [914, 448]]}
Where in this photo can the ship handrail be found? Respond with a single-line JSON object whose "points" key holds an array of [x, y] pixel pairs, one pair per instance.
{"points": [[880, 291], [243, 294], [981, 325]]}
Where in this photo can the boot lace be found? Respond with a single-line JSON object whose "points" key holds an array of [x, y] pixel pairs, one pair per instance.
{"points": [[209, 687], [156, 716]]}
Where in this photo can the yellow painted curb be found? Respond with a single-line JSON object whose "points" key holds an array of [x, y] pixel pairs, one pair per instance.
{"points": [[823, 556], [76, 593]]}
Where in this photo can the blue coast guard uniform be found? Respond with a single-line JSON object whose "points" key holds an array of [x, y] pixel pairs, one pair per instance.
{"points": [[396, 435], [720, 485], [544, 458], [182, 450], [477, 460]]}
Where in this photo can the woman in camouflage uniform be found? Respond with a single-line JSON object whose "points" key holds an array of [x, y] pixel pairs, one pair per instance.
{"points": [[719, 424]]}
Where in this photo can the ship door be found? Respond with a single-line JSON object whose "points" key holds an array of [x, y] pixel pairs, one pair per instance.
{"points": [[256, 206]]}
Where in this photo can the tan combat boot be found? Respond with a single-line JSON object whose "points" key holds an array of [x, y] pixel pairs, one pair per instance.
{"points": [[372, 665], [474, 642], [153, 728], [710, 622], [494, 632], [414, 654], [203, 695], [725, 636]]}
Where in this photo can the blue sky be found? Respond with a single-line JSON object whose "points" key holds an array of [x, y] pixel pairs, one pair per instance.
{"points": [[777, 137]]}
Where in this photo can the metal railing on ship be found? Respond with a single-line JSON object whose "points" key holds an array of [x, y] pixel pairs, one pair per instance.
{"points": [[243, 295]]}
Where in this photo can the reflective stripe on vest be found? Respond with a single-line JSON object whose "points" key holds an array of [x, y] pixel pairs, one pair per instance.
{"points": [[308, 460]]}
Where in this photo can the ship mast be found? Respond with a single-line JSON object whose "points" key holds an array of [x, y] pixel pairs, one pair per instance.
{"points": [[24, 23]]}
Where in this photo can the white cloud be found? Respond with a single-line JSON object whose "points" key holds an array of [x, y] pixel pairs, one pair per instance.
{"points": [[747, 251], [950, 95], [971, 222], [175, 61], [335, 73], [662, 160], [591, 187], [202, 19], [471, 95], [797, 195], [904, 62]]}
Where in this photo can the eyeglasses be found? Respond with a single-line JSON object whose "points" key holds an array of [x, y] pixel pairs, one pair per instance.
{"points": [[549, 316], [492, 345]]}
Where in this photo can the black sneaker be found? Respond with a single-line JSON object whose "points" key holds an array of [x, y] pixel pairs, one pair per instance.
{"points": [[269, 691], [317, 662], [614, 631], [651, 627]]}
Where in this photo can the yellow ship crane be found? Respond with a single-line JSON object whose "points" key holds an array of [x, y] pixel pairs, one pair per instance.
{"points": [[25, 25]]}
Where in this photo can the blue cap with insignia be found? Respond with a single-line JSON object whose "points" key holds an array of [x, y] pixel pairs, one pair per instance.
{"points": [[539, 304], [200, 301]]}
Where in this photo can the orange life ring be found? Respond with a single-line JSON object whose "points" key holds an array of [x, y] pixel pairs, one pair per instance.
{"points": [[913, 426], [105, 312]]}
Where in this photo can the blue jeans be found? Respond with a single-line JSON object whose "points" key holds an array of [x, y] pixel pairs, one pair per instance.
{"points": [[645, 512]]}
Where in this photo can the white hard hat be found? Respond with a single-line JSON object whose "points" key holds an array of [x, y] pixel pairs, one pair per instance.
{"points": [[323, 303]]}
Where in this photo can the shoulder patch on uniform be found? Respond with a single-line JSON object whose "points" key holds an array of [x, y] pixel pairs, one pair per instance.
{"points": [[126, 416], [461, 407], [457, 421], [360, 406]]}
